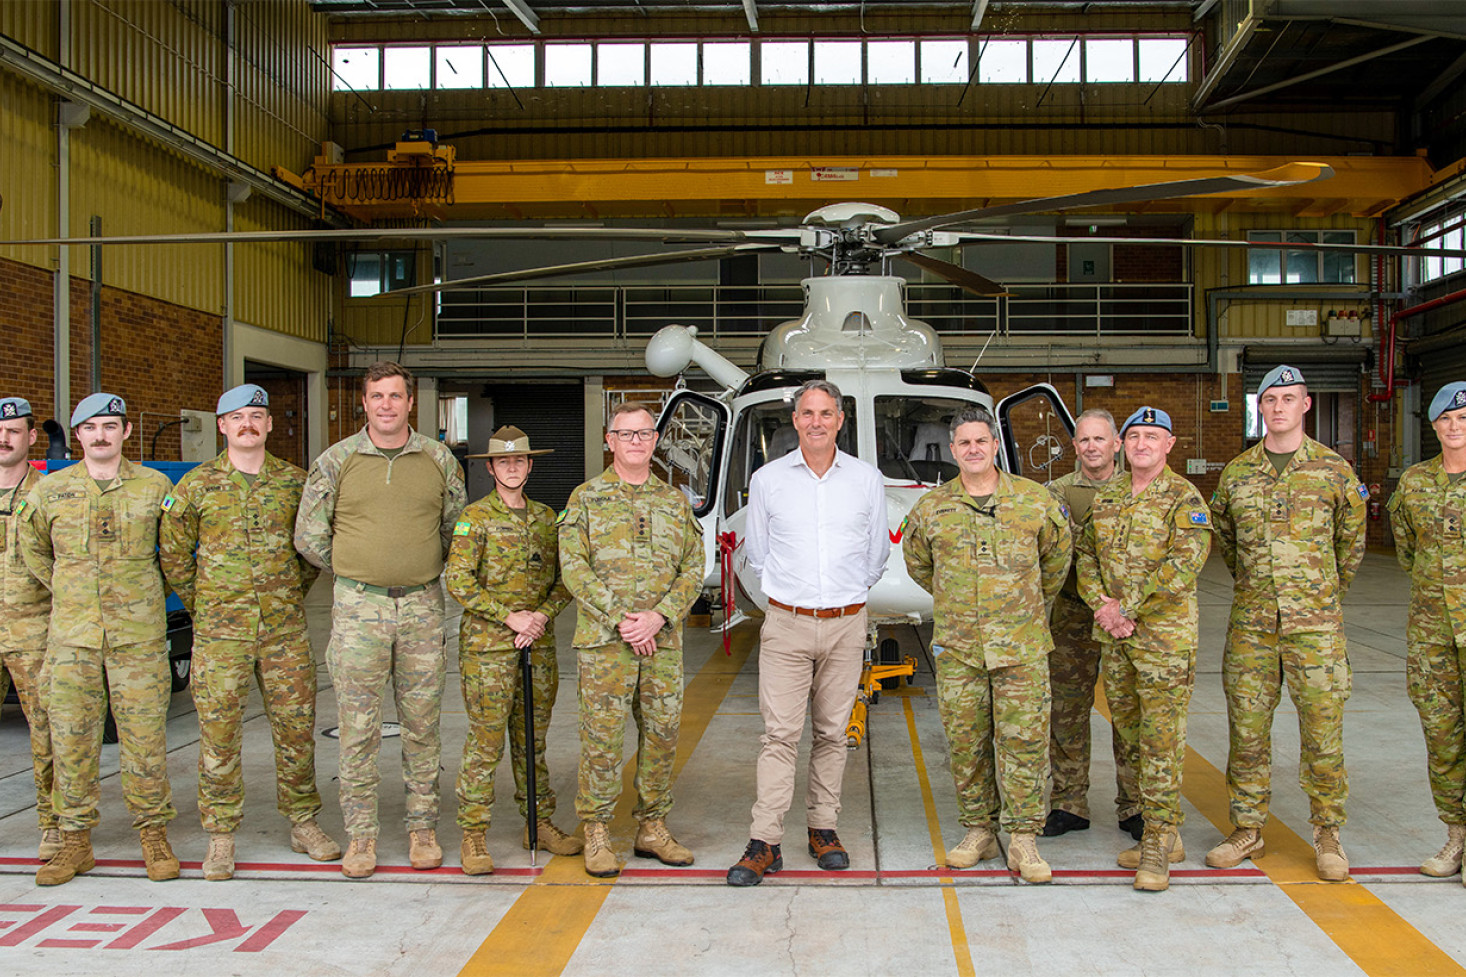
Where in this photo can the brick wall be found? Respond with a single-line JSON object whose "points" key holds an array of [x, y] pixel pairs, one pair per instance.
{"points": [[159, 357], [287, 410]]}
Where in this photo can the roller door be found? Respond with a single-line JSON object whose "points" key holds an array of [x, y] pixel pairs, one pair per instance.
{"points": [[553, 415]]}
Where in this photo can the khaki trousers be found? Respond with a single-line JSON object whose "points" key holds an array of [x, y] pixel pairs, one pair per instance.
{"points": [[804, 664]]}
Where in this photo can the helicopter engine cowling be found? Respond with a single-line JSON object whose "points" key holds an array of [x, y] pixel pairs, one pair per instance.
{"points": [[852, 321]]}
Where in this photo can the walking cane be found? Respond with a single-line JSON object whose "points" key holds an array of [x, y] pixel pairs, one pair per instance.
{"points": [[526, 671]]}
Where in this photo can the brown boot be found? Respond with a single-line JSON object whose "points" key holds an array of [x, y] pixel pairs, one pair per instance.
{"points": [[1241, 844], [422, 849], [51, 843], [553, 840], [307, 838], [473, 854], [1333, 864], [74, 858], [1447, 862], [600, 857], [979, 844], [1130, 857], [1154, 872], [1023, 858], [157, 853], [219, 861], [653, 840], [361, 859]]}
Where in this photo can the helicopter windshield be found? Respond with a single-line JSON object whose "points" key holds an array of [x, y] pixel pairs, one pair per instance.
{"points": [[765, 432], [912, 437]]}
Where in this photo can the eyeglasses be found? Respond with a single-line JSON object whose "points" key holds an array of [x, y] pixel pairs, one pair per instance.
{"points": [[644, 434]]}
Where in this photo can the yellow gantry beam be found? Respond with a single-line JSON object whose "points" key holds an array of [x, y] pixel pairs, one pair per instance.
{"points": [[781, 186]]}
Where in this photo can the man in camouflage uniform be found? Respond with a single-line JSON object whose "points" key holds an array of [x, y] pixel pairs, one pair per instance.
{"points": [[1290, 522], [89, 533], [1074, 663], [631, 552], [1426, 513], [992, 549], [27, 608], [1145, 542], [227, 552], [504, 568], [378, 511]]}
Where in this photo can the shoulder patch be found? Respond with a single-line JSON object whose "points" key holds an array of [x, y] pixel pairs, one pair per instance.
{"points": [[561, 517], [1364, 492], [20, 506], [1198, 517], [462, 528], [168, 503], [902, 530], [1064, 509]]}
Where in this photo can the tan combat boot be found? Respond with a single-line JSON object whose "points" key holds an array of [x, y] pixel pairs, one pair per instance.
{"points": [[422, 849], [1333, 864], [553, 840], [1447, 861], [1130, 857], [51, 844], [978, 845], [219, 862], [1241, 844], [361, 858], [74, 858], [653, 840], [1153, 874], [600, 859], [1023, 858], [473, 854], [158, 855], [307, 838]]}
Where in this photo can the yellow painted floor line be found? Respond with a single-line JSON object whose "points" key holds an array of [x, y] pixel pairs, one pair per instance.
{"points": [[1375, 937], [961, 952], [547, 923]]}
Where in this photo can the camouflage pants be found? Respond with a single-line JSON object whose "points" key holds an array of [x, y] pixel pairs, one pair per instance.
{"points": [[1002, 714], [377, 640], [140, 685], [614, 680], [493, 694], [286, 673], [1074, 667], [1436, 679], [1149, 692], [26, 669], [1316, 667]]}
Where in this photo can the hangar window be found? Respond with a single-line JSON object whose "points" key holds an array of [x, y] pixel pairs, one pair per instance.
{"points": [[375, 272], [621, 65], [890, 62], [1003, 62], [407, 68], [1162, 59], [1281, 266], [356, 69], [726, 63], [943, 62], [458, 66], [511, 66], [674, 64], [837, 62], [1056, 60], [783, 62], [1448, 233], [1109, 60], [567, 65]]}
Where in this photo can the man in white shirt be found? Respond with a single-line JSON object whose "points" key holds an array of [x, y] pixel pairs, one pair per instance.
{"points": [[818, 538]]}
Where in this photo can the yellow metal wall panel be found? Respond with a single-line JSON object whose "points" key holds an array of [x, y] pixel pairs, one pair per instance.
{"points": [[282, 84], [275, 286], [32, 23], [136, 187], [27, 169]]}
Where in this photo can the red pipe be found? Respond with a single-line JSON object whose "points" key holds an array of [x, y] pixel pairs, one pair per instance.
{"points": [[1387, 342]]}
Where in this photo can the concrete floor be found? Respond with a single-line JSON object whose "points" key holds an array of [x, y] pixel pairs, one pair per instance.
{"points": [[894, 911]]}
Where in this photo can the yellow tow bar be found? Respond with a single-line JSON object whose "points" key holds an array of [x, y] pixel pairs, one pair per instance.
{"points": [[869, 693]]}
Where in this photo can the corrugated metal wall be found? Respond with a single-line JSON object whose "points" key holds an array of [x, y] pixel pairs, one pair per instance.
{"points": [[282, 84], [380, 321], [32, 24], [274, 284], [27, 170]]}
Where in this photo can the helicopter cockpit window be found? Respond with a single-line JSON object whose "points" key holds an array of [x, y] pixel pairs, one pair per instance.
{"points": [[688, 448], [913, 438], [765, 432]]}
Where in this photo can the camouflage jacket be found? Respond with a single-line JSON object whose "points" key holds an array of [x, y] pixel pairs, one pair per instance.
{"points": [[993, 571], [627, 548], [1076, 490], [228, 552], [1426, 514], [1292, 541], [318, 499], [503, 562], [1146, 552], [97, 552], [27, 603]]}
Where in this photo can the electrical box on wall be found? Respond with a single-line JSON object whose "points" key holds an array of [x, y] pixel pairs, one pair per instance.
{"points": [[197, 436], [1344, 326]]}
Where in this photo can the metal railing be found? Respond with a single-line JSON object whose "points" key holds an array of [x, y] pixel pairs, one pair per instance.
{"points": [[637, 311]]}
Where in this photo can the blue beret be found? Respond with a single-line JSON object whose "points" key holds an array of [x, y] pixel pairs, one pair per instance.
{"points": [[1147, 417], [98, 405], [1450, 397], [242, 396], [1281, 376], [12, 408]]}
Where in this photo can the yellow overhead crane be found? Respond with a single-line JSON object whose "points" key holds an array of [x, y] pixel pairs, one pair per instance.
{"points": [[422, 180]]}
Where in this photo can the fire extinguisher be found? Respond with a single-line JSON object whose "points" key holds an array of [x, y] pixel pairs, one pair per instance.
{"points": [[1375, 509]]}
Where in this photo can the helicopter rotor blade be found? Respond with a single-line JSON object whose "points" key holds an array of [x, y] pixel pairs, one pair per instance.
{"points": [[369, 234], [956, 274], [1287, 175], [588, 267], [970, 238]]}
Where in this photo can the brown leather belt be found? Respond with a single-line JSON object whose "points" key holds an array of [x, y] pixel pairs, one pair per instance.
{"points": [[820, 612]]}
